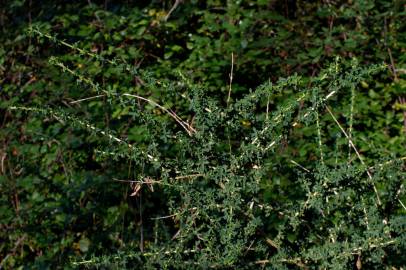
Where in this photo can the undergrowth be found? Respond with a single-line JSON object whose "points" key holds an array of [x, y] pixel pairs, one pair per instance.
{"points": [[213, 162]]}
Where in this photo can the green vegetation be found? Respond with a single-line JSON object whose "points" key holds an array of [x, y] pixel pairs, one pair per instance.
{"points": [[202, 134]]}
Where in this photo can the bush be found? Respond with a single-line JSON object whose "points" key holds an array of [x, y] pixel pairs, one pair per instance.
{"points": [[177, 166]]}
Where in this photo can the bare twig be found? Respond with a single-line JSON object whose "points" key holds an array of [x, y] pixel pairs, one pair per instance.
{"points": [[177, 2], [401, 203], [319, 137], [188, 176], [85, 99], [231, 78], [295, 261], [148, 180], [357, 153], [164, 217], [380, 165], [300, 166], [267, 108], [189, 129], [351, 121]]}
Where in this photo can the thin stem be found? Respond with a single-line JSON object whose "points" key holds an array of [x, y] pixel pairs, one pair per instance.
{"points": [[319, 138], [85, 99], [357, 153], [177, 2], [300, 166], [189, 129], [231, 78], [351, 121]]}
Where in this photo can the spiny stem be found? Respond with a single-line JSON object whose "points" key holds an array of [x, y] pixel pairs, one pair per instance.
{"points": [[189, 129], [351, 120], [319, 138]]}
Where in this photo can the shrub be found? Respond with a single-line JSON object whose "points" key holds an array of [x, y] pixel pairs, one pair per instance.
{"points": [[214, 175], [168, 162]]}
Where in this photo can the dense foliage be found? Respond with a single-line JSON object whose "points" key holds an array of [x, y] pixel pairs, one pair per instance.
{"points": [[202, 134]]}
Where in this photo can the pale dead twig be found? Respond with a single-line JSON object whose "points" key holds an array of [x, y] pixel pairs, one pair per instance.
{"points": [[177, 2], [188, 176], [319, 137], [278, 118], [189, 129], [137, 184], [158, 181], [380, 165], [85, 99], [300, 166], [351, 121], [231, 78], [401, 203], [165, 217], [295, 261], [272, 243], [267, 107], [357, 153]]}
